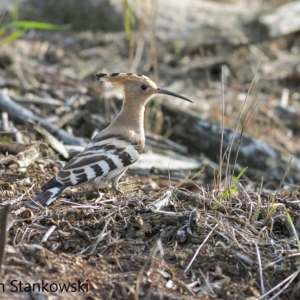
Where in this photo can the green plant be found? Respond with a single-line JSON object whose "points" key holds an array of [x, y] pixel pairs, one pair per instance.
{"points": [[271, 209], [231, 189], [18, 28], [291, 224], [129, 22]]}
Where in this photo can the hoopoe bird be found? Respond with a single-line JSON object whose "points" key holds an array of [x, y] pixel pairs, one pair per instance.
{"points": [[110, 153]]}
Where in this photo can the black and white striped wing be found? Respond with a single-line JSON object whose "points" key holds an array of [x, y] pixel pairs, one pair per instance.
{"points": [[104, 158]]}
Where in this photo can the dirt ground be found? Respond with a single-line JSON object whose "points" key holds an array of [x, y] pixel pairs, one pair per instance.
{"points": [[174, 234]]}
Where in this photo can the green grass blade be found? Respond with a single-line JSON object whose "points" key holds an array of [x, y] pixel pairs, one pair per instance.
{"points": [[129, 20], [14, 36], [32, 25], [37, 25], [22, 26], [231, 189], [290, 220], [237, 178]]}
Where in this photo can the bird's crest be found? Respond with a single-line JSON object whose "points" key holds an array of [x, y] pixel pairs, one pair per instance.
{"points": [[121, 78]]}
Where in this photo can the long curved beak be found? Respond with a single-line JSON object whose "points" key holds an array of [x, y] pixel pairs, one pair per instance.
{"points": [[166, 92]]}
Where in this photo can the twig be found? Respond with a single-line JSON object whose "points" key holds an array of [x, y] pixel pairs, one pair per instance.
{"points": [[48, 233], [184, 196], [51, 140], [199, 248], [288, 280], [37, 100], [246, 259], [262, 287], [160, 203], [3, 232], [100, 236]]}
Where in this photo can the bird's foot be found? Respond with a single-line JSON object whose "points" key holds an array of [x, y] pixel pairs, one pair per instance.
{"points": [[118, 191]]}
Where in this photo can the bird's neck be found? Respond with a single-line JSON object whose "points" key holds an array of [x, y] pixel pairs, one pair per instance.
{"points": [[131, 118]]}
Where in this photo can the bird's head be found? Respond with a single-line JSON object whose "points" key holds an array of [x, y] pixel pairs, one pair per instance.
{"points": [[137, 88]]}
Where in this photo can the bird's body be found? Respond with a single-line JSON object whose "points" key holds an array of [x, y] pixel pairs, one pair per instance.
{"points": [[109, 154]]}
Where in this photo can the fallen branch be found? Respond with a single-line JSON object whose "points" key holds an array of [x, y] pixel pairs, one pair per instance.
{"points": [[202, 136], [23, 115]]}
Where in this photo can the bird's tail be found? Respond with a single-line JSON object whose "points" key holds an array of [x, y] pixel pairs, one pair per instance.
{"points": [[46, 197]]}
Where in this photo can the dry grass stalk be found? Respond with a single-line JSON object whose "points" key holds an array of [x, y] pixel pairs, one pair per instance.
{"points": [[199, 248], [222, 135], [228, 151]]}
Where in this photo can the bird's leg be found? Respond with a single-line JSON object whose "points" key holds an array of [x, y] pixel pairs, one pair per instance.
{"points": [[118, 191], [115, 182], [96, 188], [115, 185]]}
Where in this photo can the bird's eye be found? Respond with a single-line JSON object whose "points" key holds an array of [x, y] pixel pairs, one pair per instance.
{"points": [[143, 86]]}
